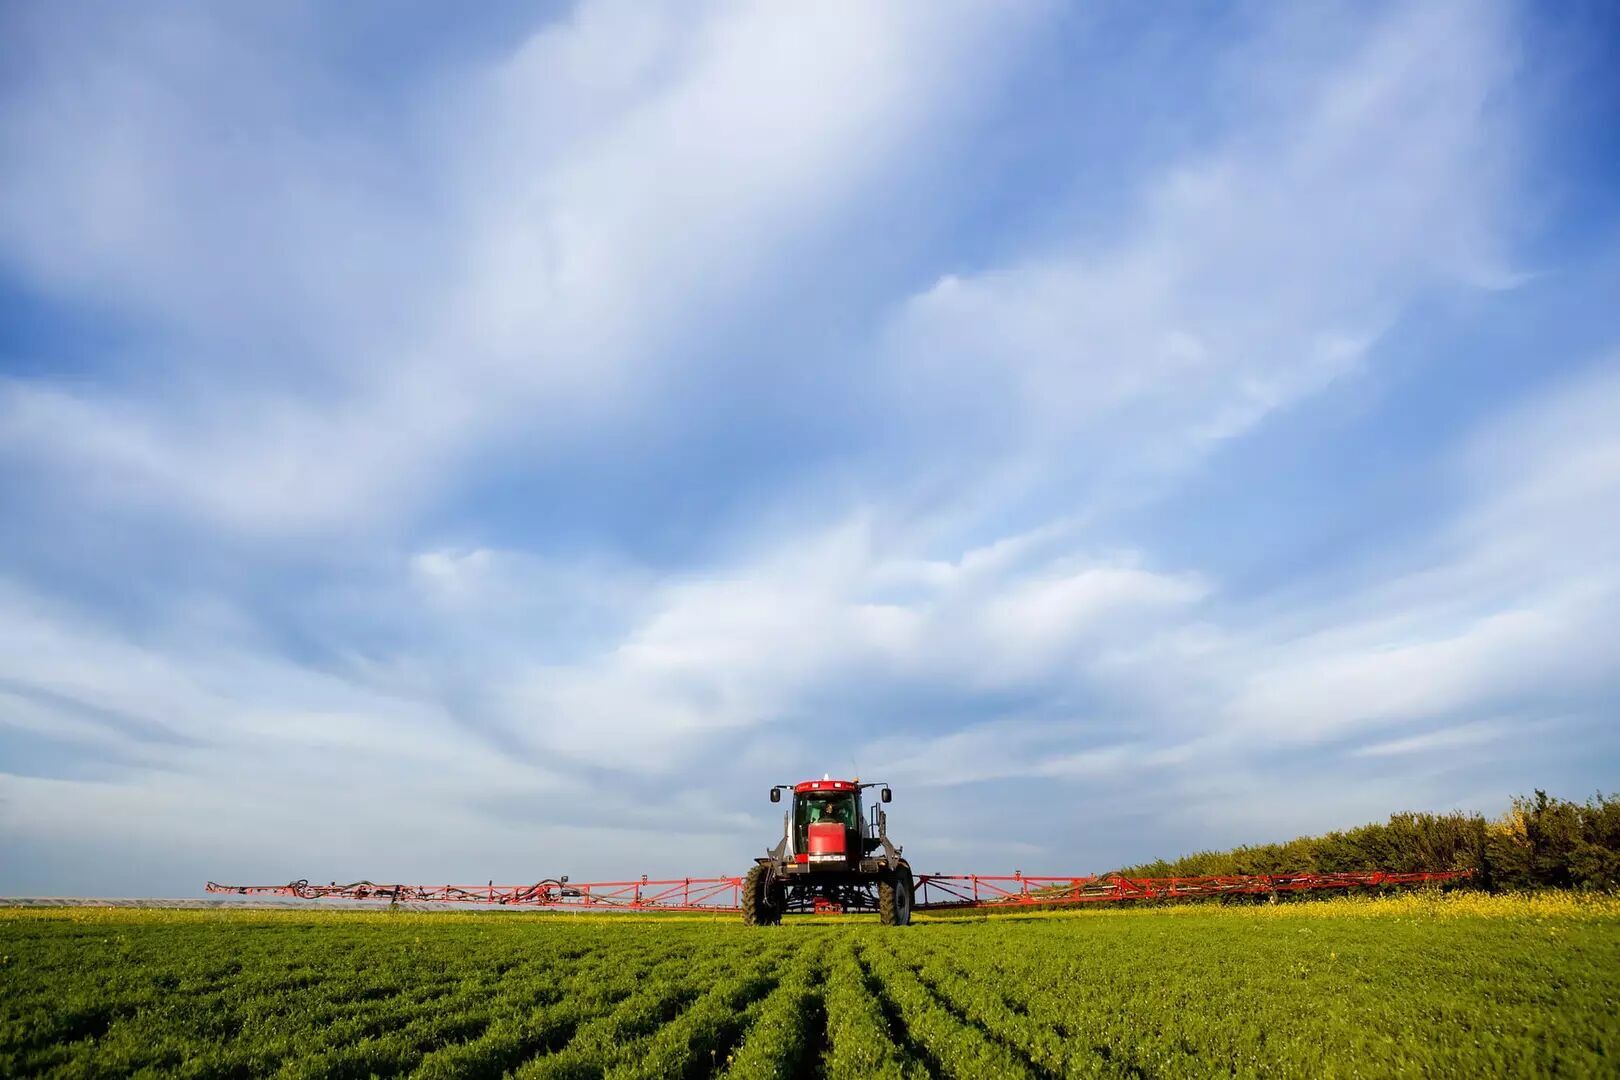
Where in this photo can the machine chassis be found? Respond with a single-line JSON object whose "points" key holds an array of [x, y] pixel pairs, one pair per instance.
{"points": [[879, 881]]}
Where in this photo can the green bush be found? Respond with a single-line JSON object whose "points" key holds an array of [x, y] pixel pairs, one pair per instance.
{"points": [[1541, 842]]}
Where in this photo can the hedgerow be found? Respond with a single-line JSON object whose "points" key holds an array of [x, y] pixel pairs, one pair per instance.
{"points": [[1540, 842]]}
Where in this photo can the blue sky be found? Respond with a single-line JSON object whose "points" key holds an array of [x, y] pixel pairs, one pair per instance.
{"points": [[447, 449]]}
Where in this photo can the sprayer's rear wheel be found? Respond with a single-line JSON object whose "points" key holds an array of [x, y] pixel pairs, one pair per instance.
{"points": [[894, 898], [757, 899]]}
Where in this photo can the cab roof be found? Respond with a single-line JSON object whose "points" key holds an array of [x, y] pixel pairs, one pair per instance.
{"points": [[825, 785]]}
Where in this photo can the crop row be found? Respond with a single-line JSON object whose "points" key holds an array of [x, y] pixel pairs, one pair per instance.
{"points": [[496, 1026], [861, 1037], [290, 1014], [684, 1009]]}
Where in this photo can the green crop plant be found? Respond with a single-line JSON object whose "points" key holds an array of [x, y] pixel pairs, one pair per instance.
{"points": [[953, 1048], [779, 1043]]}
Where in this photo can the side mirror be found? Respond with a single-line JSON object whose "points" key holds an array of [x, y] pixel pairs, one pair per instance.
{"points": [[886, 795], [776, 794]]}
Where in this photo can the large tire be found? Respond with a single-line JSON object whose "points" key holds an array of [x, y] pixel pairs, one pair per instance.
{"points": [[761, 898], [753, 897], [894, 898], [777, 895]]}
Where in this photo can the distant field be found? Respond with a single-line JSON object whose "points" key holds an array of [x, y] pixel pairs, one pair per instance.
{"points": [[1458, 986]]}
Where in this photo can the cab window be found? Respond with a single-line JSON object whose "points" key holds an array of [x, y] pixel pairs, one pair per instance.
{"points": [[816, 806]]}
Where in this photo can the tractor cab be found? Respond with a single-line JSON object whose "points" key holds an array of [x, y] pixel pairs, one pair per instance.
{"points": [[827, 821], [826, 826]]}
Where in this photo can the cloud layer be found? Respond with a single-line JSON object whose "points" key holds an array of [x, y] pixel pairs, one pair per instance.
{"points": [[471, 471]]}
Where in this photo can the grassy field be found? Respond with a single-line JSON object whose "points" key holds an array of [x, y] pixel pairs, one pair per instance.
{"points": [[1458, 986]]}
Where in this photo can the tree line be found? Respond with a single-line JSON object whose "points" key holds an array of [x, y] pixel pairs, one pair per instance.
{"points": [[1540, 842]]}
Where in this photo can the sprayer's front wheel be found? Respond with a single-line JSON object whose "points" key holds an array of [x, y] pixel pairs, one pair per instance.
{"points": [[894, 898], [757, 897]]}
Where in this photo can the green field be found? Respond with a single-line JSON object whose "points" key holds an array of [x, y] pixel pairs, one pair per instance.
{"points": [[1459, 986]]}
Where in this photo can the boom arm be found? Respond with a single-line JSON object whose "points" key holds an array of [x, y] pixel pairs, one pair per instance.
{"points": [[935, 892]]}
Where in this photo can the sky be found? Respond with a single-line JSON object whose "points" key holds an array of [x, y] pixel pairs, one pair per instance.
{"points": [[443, 448]]}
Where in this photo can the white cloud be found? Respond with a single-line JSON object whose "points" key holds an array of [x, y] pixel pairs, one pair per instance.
{"points": [[744, 647], [598, 207], [1501, 609], [574, 217], [1181, 694], [1012, 749], [1519, 597], [450, 572], [1445, 739], [1323, 688], [189, 705], [1251, 274]]}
